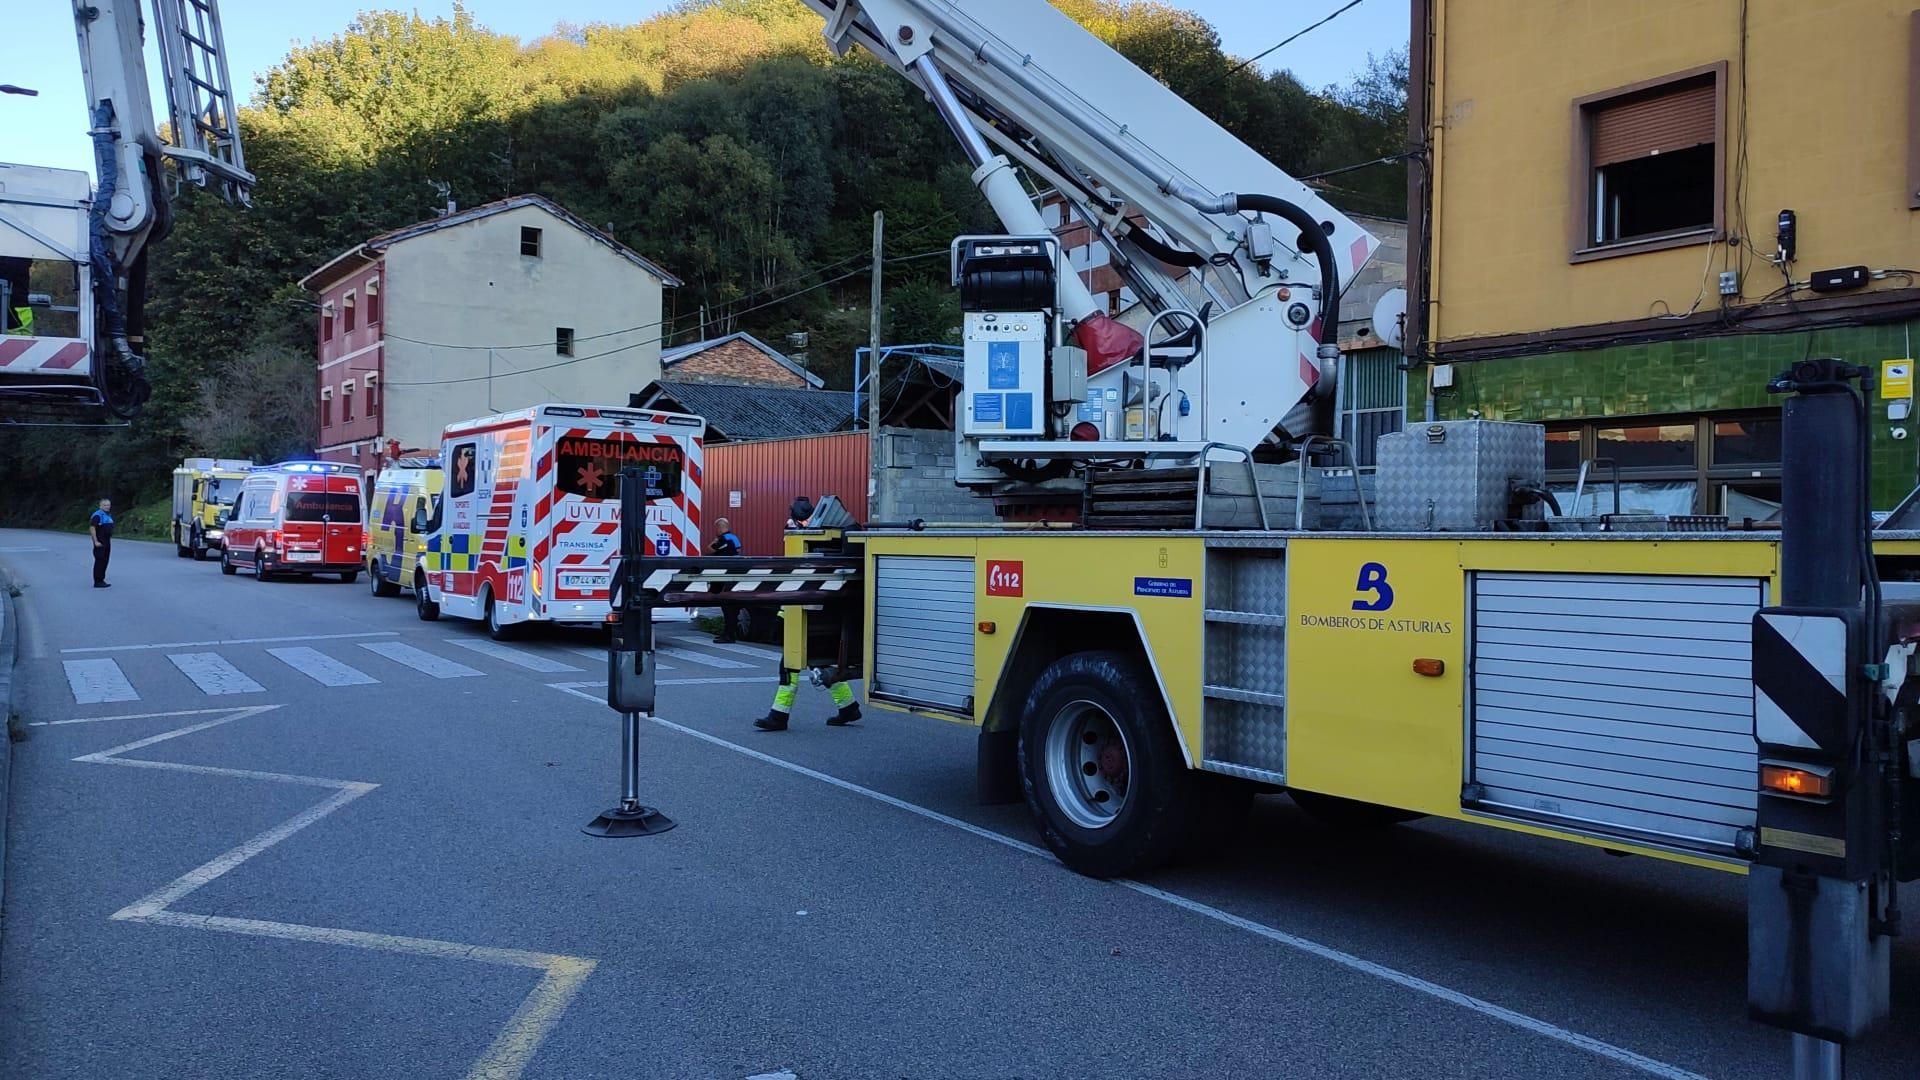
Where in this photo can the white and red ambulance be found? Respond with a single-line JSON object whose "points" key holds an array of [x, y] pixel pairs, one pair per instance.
{"points": [[527, 528], [297, 517]]}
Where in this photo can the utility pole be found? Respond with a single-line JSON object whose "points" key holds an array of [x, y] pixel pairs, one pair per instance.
{"points": [[873, 363]]}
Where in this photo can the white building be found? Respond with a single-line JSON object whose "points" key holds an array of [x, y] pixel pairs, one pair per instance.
{"points": [[484, 310]]}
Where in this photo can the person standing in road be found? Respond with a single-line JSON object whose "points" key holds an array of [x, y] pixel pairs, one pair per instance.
{"points": [[100, 528], [726, 545]]}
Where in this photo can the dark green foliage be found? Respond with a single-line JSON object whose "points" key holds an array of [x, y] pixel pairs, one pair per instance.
{"points": [[720, 139]]}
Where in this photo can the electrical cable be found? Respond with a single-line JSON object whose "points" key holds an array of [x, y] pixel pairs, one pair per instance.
{"points": [[1290, 39], [725, 311], [654, 340]]}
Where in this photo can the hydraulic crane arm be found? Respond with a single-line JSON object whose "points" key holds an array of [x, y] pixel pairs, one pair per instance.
{"points": [[1160, 183]]}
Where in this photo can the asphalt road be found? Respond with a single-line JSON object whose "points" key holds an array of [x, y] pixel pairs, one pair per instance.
{"points": [[286, 829]]}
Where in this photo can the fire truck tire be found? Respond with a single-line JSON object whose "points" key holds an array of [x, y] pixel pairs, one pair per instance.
{"points": [[226, 563], [379, 584], [181, 549], [423, 604], [1349, 815], [348, 577], [496, 629], [198, 546], [1100, 767]]}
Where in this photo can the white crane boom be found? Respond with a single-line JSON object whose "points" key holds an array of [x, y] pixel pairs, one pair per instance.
{"points": [[1164, 187], [69, 338]]}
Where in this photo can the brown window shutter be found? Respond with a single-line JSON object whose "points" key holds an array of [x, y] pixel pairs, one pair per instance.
{"points": [[1674, 118]]}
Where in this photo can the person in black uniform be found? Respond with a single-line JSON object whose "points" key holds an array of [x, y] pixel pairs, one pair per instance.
{"points": [[727, 544], [100, 528]]}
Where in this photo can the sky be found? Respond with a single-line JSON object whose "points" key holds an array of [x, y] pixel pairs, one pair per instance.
{"points": [[37, 48]]}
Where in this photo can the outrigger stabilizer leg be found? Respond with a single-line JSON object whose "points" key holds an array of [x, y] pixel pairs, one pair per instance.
{"points": [[630, 671]]}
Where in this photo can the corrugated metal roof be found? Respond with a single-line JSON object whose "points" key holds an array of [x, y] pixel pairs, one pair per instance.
{"points": [[756, 412]]}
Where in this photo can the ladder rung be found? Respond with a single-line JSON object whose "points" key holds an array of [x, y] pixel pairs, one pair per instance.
{"points": [[1244, 618], [1252, 697]]}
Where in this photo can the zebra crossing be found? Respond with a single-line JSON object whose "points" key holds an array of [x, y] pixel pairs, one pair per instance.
{"points": [[240, 668]]}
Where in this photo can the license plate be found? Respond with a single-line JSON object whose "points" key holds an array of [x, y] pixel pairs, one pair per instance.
{"points": [[582, 582], [303, 556]]}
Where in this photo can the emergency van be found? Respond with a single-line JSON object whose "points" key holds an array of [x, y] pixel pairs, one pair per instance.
{"points": [[204, 488], [297, 517], [528, 527], [403, 494]]}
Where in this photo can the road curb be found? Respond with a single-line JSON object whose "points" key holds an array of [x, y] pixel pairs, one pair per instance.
{"points": [[9, 647]]}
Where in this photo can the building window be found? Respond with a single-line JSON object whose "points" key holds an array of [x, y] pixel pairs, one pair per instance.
{"points": [[346, 305], [373, 395], [530, 241], [1724, 463], [1649, 164], [346, 401], [326, 406], [326, 322], [563, 340], [373, 301]]}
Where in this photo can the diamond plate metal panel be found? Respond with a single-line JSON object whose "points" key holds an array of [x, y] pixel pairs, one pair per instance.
{"points": [[1244, 662], [1455, 476], [1247, 735]]}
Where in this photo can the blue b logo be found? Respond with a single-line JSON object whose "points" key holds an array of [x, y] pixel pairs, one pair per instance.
{"points": [[1373, 579]]}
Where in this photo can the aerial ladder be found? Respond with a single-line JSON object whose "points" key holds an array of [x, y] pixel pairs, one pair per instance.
{"points": [[73, 254], [1237, 265]]}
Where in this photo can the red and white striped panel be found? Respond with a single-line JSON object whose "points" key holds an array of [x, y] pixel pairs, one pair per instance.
{"points": [[44, 355]]}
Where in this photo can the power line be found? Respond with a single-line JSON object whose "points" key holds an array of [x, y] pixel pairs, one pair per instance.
{"points": [[654, 340], [724, 312], [1250, 61], [1388, 160]]}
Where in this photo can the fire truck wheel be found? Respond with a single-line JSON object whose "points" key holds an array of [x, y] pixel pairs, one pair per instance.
{"points": [[348, 577], [1349, 815], [1102, 773], [180, 547], [226, 563], [423, 605], [379, 583], [496, 629]]}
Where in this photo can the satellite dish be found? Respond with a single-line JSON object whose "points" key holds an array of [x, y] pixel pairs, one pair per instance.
{"points": [[1390, 318]]}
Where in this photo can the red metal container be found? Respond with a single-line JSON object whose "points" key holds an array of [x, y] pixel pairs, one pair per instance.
{"points": [[751, 484]]}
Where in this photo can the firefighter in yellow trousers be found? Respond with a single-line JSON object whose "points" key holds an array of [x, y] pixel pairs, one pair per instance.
{"points": [[776, 718]]}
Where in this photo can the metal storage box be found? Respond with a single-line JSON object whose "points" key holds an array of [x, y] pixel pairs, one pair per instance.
{"points": [[1457, 476]]}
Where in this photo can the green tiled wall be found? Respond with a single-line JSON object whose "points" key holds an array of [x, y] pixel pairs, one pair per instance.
{"points": [[1675, 377]]}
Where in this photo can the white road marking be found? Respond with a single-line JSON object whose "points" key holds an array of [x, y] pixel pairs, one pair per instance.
{"points": [[601, 656], [213, 675], [96, 682], [783, 1074], [703, 659], [19, 550], [517, 1042], [320, 667], [419, 659], [129, 716], [511, 655], [1617, 1054], [763, 652], [232, 641]]}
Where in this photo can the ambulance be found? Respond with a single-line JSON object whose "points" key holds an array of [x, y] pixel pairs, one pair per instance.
{"points": [[528, 527], [403, 496], [296, 518]]}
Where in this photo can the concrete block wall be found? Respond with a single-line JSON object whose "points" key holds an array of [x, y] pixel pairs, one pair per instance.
{"points": [[914, 479]]}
